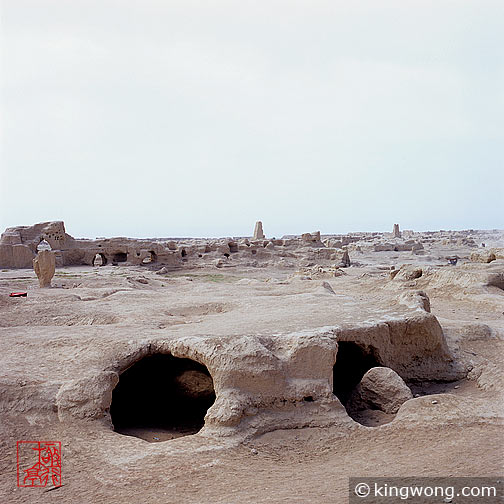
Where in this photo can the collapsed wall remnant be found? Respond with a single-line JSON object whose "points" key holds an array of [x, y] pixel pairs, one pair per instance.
{"points": [[252, 384], [396, 232], [18, 247], [311, 237], [258, 231], [45, 266], [483, 257], [345, 260]]}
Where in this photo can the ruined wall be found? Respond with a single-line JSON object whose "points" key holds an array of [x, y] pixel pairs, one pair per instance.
{"points": [[18, 247], [264, 383]]}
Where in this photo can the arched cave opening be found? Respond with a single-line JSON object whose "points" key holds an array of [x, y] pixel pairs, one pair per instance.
{"points": [[352, 363], [162, 397], [43, 245], [120, 257]]}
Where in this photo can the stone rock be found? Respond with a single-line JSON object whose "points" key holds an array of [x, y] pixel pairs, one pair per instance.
{"points": [[258, 231], [195, 383], [345, 260], [483, 257], [45, 266], [499, 253], [327, 287], [381, 388], [138, 279], [396, 232], [406, 272], [417, 248], [416, 300]]}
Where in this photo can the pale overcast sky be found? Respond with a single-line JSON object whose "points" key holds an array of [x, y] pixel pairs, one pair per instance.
{"points": [[197, 118]]}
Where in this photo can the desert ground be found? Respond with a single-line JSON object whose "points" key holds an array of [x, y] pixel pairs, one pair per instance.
{"points": [[252, 367]]}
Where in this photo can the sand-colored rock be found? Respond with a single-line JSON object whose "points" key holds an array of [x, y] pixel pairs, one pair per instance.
{"points": [[45, 266], [345, 260], [483, 257], [416, 300], [406, 272], [381, 388]]}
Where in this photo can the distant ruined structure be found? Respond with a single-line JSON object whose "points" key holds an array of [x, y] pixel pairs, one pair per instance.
{"points": [[258, 231], [396, 232], [19, 247]]}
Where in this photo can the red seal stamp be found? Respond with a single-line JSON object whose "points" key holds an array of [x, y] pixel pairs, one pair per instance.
{"points": [[38, 463]]}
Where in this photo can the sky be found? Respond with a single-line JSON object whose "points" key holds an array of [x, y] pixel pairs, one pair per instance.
{"points": [[159, 118]]}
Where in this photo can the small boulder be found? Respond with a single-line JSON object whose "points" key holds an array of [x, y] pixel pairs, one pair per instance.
{"points": [[327, 286], [406, 272], [380, 388], [483, 257], [417, 248], [415, 300], [195, 383]]}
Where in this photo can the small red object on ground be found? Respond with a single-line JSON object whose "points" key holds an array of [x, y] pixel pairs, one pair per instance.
{"points": [[18, 294]]}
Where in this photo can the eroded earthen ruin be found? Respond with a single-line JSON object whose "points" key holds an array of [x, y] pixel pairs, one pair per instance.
{"points": [[215, 343]]}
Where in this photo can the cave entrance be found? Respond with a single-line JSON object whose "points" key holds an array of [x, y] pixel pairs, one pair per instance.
{"points": [[120, 257], [150, 258], [352, 363], [162, 397]]}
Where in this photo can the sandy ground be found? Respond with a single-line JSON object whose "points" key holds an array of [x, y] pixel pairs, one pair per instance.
{"points": [[451, 429]]}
